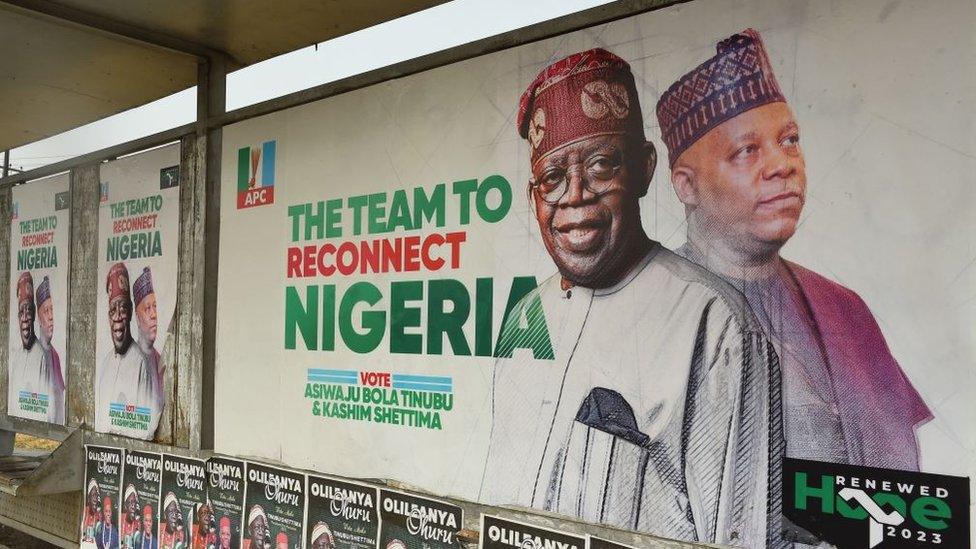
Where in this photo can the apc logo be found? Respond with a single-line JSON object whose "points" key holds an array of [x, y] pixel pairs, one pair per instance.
{"points": [[864, 507], [256, 175]]}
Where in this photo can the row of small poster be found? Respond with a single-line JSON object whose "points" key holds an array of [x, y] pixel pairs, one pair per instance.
{"points": [[149, 500]]}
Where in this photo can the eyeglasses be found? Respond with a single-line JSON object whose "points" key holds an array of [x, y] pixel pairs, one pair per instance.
{"points": [[597, 173]]}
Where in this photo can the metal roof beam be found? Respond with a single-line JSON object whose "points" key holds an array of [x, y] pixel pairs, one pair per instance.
{"points": [[118, 28]]}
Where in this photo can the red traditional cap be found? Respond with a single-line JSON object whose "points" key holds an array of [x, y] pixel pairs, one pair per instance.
{"points": [[281, 538], [224, 521], [147, 511], [117, 282], [25, 287], [738, 78], [587, 94]]}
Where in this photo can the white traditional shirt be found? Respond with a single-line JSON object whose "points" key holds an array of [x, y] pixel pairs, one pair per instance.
{"points": [[32, 373], [128, 384], [660, 412]]}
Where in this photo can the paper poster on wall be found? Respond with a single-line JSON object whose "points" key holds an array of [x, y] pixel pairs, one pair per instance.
{"points": [[414, 522], [139, 506], [341, 514], [501, 533], [39, 265], [185, 518], [619, 275], [99, 514], [138, 240], [274, 508], [225, 492]]}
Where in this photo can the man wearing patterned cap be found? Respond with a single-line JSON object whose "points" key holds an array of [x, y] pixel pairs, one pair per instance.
{"points": [[32, 368], [737, 166], [656, 408], [145, 299], [172, 534], [131, 520], [92, 511], [127, 376], [257, 529], [322, 537], [52, 360]]}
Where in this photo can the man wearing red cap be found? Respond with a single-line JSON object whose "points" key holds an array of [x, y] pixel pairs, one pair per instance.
{"points": [[127, 377], [225, 534], [35, 368], [736, 164], [657, 409], [144, 539], [106, 534]]}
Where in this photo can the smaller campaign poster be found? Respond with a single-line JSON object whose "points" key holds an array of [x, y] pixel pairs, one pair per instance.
{"points": [[413, 522], [500, 533], [600, 543], [184, 516], [39, 240], [341, 514], [225, 490], [138, 246], [856, 507], [103, 480], [274, 508], [139, 509]]}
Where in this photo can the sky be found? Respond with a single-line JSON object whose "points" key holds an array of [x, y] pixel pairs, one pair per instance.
{"points": [[435, 29]]}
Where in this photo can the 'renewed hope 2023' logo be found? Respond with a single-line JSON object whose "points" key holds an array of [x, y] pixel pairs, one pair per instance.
{"points": [[256, 175], [853, 507]]}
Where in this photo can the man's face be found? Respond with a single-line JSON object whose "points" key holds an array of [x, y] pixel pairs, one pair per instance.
{"points": [[25, 314], [749, 179], [587, 228], [93, 498], [256, 530], [119, 314], [225, 536], [147, 520], [204, 518], [322, 542], [172, 516], [107, 512], [146, 317], [46, 315], [132, 507]]}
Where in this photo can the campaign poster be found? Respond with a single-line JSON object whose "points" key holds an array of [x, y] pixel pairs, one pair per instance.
{"points": [[621, 274], [185, 516], [103, 480], [341, 514], [225, 492], [274, 508], [139, 506], [413, 522], [138, 241], [501, 533], [39, 265]]}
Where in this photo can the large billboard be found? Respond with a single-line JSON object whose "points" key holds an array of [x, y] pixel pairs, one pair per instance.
{"points": [[138, 242], [624, 274], [39, 258]]}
